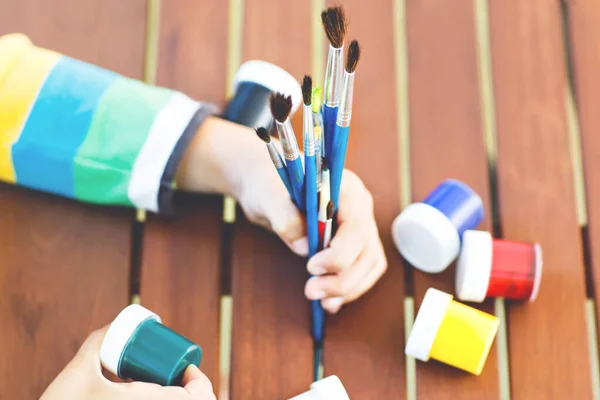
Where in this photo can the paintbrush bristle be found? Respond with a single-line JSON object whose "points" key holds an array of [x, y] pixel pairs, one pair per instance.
{"points": [[263, 134], [281, 106], [335, 24], [307, 90], [330, 209], [353, 56]]}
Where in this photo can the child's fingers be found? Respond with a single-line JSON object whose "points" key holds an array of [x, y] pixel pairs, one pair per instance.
{"points": [[346, 246], [365, 284], [339, 285]]}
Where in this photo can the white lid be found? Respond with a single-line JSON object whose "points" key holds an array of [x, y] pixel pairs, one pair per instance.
{"points": [[539, 265], [474, 266], [425, 237], [119, 332], [428, 321], [272, 77], [329, 388]]}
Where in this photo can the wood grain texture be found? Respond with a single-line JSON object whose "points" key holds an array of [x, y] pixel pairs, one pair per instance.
{"points": [[365, 342], [192, 51], [583, 16], [272, 346], [547, 338], [181, 273], [65, 265], [446, 142], [181, 261]]}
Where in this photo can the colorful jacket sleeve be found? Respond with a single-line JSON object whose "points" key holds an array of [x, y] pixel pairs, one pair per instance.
{"points": [[80, 131]]}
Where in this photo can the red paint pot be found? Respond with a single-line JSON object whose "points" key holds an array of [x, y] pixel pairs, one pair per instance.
{"points": [[490, 267]]}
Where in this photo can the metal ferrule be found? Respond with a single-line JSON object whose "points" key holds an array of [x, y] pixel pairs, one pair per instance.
{"points": [[308, 131], [333, 76], [288, 140], [345, 110], [274, 154]]}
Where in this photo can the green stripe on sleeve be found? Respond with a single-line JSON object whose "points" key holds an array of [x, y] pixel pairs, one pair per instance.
{"points": [[119, 129]]}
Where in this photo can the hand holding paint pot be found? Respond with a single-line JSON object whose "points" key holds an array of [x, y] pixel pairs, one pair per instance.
{"points": [[82, 379], [138, 346], [428, 233], [329, 388]]}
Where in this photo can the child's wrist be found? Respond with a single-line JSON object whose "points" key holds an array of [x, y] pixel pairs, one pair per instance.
{"points": [[220, 158]]}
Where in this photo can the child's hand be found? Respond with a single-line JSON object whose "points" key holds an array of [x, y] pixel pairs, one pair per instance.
{"points": [[228, 158], [82, 379], [355, 260]]}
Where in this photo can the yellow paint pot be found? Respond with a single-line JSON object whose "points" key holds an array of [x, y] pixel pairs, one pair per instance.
{"points": [[452, 333]]}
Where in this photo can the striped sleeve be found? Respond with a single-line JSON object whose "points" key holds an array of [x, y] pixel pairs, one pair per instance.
{"points": [[80, 131]]}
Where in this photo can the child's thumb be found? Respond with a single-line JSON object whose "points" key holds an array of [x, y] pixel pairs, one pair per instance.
{"points": [[288, 224]]}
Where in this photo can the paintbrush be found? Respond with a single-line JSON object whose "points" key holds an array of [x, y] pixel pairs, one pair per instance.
{"points": [[310, 164], [276, 158], [324, 200], [328, 225], [339, 144], [334, 23], [318, 313], [319, 133], [280, 108]]}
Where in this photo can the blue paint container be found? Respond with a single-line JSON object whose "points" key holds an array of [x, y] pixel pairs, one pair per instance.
{"points": [[428, 233]]}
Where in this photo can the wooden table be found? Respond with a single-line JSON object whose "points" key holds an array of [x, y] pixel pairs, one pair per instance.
{"points": [[500, 94]]}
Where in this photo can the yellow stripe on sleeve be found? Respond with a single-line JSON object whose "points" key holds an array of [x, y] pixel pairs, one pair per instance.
{"points": [[23, 70]]}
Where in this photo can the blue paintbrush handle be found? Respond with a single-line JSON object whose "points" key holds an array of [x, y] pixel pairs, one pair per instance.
{"points": [[329, 118], [296, 175], [318, 320], [312, 226], [339, 147], [312, 211], [286, 181]]}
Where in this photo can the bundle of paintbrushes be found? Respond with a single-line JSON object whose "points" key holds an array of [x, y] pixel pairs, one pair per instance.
{"points": [[315, 186]]}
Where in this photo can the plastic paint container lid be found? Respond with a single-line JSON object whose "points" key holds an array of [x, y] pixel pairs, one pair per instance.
{"points": [[138, 346], [329, 388], [451, 333], [254, 83], [490, 267], [427, 234]]}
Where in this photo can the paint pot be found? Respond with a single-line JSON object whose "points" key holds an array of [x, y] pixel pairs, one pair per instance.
{"points": [[329, 388], [138, 346], [451, 333], [490, 267], [253, 85], [427, 233]]}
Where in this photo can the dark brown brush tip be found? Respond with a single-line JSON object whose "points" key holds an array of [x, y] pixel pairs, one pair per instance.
{"points": [[335, 24], [307, 90], [353, 56], [281, 106], [330, 209], [263, 134], [324, 162]]}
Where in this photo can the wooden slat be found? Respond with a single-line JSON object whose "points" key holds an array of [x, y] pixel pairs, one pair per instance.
{"points": [[585, 35], [365, 341], [181, 262], [446, 142], [547, 338], [272, 347], [181, 272], [65, 265]]}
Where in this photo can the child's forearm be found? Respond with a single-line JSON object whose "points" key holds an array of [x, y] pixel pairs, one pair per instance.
{"points": [[80, 131], [219, 156]]}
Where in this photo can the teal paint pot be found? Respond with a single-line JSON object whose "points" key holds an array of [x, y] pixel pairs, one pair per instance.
{"points": [[139, 347]]}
